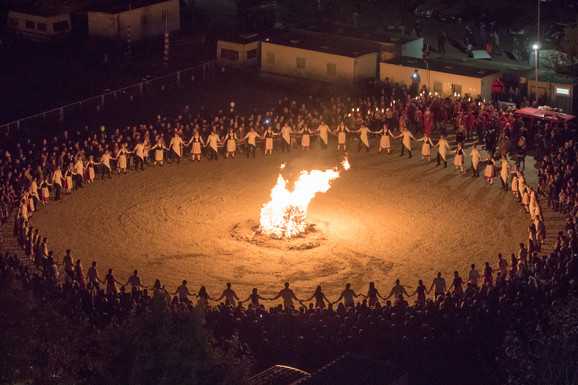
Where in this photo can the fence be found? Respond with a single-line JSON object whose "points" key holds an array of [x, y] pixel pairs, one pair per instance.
{"points": [[119, 98]]}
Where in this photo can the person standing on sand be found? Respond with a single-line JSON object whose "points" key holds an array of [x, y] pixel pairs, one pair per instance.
{"points": [[348, 296], [229, 295], [288, 296], [439, 286]]}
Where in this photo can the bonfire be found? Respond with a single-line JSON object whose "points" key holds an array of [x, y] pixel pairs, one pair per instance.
{"points": [[285, 215]]}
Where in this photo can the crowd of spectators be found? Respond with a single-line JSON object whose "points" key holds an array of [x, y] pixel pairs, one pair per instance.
{"points": [[469, 317]]}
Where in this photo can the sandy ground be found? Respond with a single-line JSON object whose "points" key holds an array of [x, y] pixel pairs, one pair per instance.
{"points": [[388, 217]]}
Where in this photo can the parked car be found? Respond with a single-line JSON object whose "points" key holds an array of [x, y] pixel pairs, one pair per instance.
{"points": [[460, 12], [430, 8]]}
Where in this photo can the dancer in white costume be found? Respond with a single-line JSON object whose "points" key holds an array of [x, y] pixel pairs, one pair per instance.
{"points": [[196, 142], [460, 157], [78, 172], [269, 135], [426, 147], [443, 148], [159, 148], [406, 136], [305, 137], [476, 159], [176, 147], [363, 137], [341, 133], [213, 144], [251, 137], [122, 159], [230, 141], [105, 164], [505, 172], [139, 152], [322, 131], [490, 171], [286, 137], [90, 170], [384, 141]]}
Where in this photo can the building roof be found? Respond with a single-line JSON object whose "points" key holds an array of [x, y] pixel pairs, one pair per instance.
{"points": [[243, 38], [38, 13], [278, 375], [549, 77], [122, 5], [443, 66], [332, 44], [369, 34]]}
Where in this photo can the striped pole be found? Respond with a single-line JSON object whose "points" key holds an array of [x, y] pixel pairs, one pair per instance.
{"points": [[166, 57], [167, 42], [128, 50]]}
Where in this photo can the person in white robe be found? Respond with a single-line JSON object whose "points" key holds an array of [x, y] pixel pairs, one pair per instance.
{"points": [[286, 137], [406, 136], [322, 131], [57, 182], [78, 172], [476, 159], [505, 172], [213, 141], [105, 164], [251, 138], [443, 148], [176, 147], [364, 137], [139, 156]]}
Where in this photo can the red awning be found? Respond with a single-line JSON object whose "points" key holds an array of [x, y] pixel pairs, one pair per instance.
{"points": [[549, 116]]}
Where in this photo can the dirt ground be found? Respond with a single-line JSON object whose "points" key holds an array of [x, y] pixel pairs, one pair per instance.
{"points": [[388, 217]]}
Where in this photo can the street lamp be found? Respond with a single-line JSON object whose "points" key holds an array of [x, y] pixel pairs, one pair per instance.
{"points": [[536, 48]]}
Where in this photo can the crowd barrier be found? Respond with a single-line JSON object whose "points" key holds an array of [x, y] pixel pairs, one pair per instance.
{"points": [[118, 98]]}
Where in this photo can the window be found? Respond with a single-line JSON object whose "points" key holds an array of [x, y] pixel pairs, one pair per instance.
{"points": [[61, 26], [229, 54], [457, 89], [12, 22], [41, 26], [30, 25], [562, 91], [252, 54], [271, 57], [331, 68], [438, 87], [300, 62]]}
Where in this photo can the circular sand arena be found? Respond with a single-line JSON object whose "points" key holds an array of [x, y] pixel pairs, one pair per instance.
{"points": [[387, 217]]}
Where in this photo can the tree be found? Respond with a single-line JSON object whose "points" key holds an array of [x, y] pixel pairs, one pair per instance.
{"points": [[566, 60], [546, 353]]}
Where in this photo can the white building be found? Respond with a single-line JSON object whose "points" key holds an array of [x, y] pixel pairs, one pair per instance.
{"points": [[442, 77], [37, 27], [239, 51], [327, 59], [144, 22]]}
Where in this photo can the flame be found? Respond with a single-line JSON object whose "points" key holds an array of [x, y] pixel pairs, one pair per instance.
{"points": [[285, 214]]}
